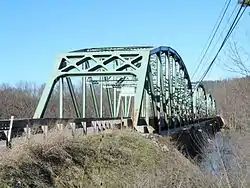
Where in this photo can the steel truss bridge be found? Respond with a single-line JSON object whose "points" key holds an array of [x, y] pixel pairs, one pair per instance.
{"points": [[150, 87]]}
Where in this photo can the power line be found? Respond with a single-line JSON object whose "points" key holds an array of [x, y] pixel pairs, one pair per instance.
{"points": [[223, 11], [225, 8], [233, 25], [228, 20], [226, 38], [226, 25]]}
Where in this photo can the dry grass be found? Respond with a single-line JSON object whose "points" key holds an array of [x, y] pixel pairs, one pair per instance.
{"points": [[118, 159]]}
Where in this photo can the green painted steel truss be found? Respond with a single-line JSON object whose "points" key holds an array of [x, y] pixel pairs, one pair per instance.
{"points": [[203, 103], [149, 85]]}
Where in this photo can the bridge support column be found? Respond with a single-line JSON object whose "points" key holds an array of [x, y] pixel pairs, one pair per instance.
{"points": [[84, 127], [73, 128], [59, 126], [45, 131], [27, 132]]}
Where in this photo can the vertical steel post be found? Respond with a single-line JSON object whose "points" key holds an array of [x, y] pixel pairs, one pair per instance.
{"points": [[129, 104], [83, 94], [147, 107], [166, 87], [109, 99], [174, 85], [61, 98], [125, 105], [114, 103], [101, 92], [159, 91], [114, 100], [118, 106], [170, 89]]}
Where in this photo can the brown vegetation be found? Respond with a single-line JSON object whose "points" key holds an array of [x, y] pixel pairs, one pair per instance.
{"points": [[117, 159], [232, 100], [19, 101]]}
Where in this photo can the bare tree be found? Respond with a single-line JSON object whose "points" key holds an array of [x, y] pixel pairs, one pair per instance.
{"points": [[239, 59], [19, 101]]}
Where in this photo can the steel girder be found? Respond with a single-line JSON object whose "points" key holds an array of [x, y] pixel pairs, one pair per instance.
{"points": [[142, 83]]}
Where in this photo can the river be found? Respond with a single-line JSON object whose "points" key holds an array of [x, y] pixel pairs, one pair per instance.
{"points": [[223, 158]]}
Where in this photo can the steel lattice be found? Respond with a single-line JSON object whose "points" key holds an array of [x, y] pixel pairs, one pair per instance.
{"points": [[150, 85]]}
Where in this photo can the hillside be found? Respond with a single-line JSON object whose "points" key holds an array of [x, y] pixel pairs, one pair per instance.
{"points": [[118, 159], [233, 100]]}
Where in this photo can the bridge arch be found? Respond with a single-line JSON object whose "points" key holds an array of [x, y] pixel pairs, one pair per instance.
{"points": [[171, 88]]}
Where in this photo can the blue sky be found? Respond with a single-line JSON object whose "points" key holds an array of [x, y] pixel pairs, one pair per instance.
{"points": [[33, 33]]}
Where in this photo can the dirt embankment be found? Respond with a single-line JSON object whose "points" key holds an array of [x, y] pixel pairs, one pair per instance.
{"points": [[118, 159]]}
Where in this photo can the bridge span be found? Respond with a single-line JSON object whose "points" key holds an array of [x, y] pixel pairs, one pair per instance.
{"points": [[147, 88]]}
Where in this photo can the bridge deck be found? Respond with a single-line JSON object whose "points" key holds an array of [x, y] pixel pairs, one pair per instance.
{"points": [[32, 123], [23, 123], [21, 126]]}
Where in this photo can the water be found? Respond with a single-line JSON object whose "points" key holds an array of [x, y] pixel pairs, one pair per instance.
{"points": [[219, 155], [222, 158]]}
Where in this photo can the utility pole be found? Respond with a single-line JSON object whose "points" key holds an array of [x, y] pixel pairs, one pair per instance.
{"points": [[245, 3]]}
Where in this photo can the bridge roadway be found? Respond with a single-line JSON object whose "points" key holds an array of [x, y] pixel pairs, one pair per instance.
{"points": [[26, 127]]}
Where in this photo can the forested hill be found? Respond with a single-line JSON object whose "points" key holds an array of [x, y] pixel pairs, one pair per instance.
{"points": [[232, 99]]}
